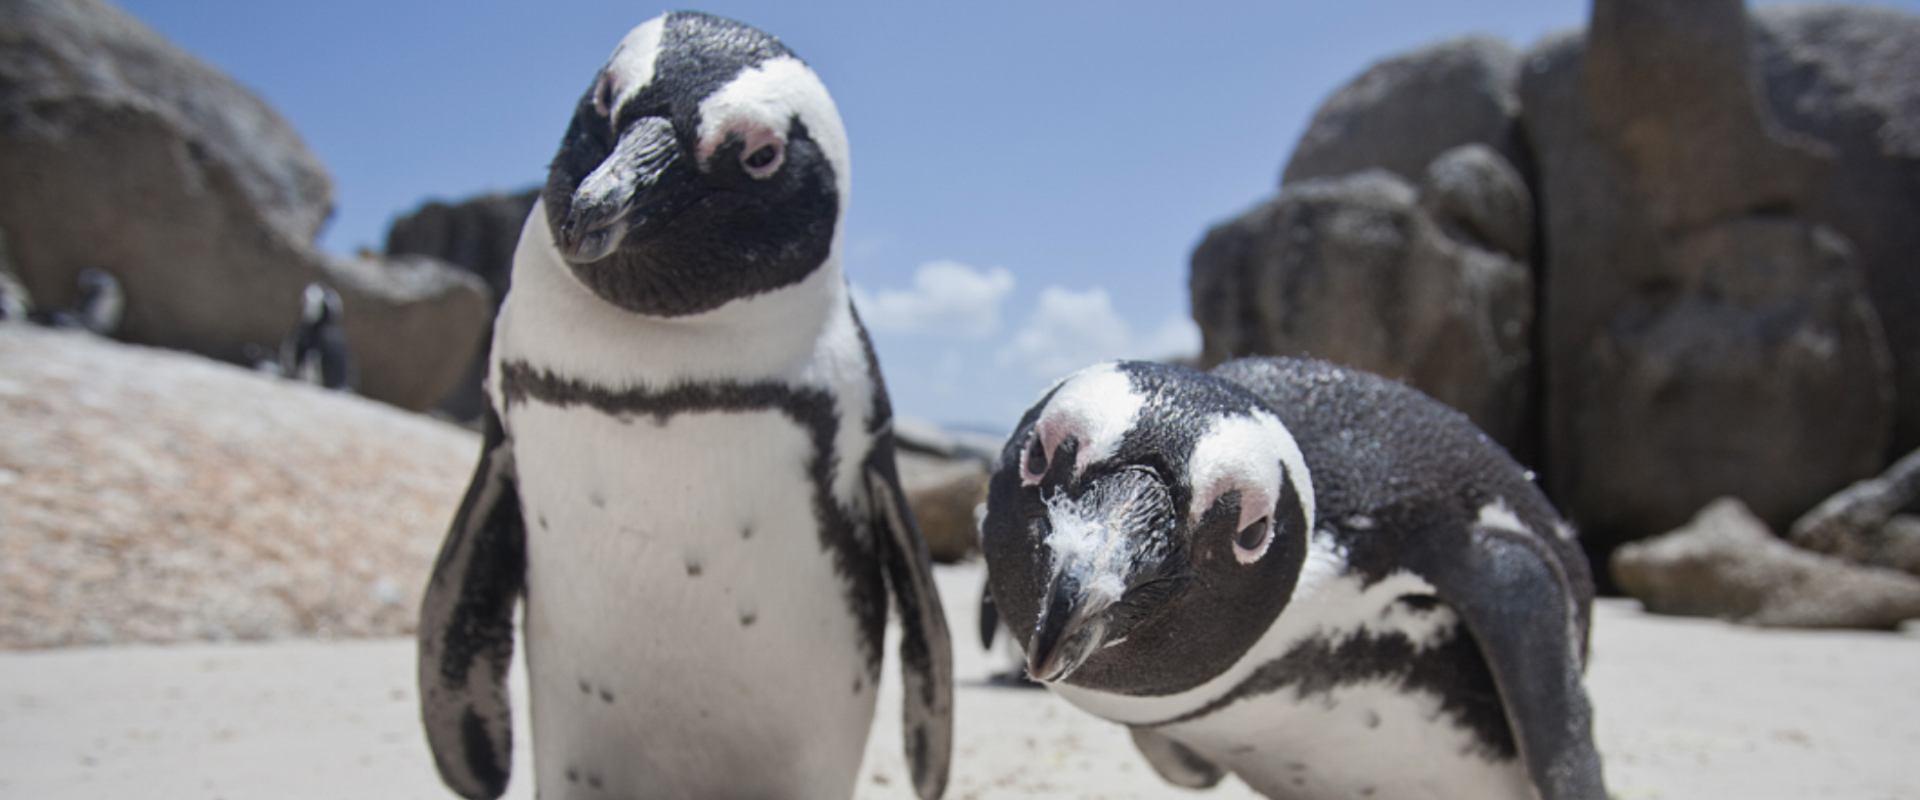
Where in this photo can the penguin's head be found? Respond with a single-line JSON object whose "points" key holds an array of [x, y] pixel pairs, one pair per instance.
{"points": [[318, 303], [705, 163], [1145, 524]]}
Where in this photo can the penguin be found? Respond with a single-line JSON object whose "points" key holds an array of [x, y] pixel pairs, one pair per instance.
{"points": [[315, 351], [97, 308], [15, 302], [687, 482], [102, 302], [1317, 579]]}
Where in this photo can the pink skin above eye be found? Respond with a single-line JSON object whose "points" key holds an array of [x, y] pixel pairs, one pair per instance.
{"points": [[1256, 506], [1248, 555], [758, 139], [603, 95], [1049, 432]]}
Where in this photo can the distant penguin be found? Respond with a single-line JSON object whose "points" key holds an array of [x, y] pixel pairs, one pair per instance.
{"points": [[688, 472], [315, 351], [15, 303], [1317, 579], [102, 302], [97, 307]]}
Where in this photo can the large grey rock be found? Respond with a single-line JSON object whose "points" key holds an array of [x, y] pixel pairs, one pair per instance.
{"points": [[944, 475], [1850, 77], [119, 152], [1421, 284], [1702, 336], [1403, 112], [1726, 563], [943, 493], [69, 64], [412, 322], [149, 495], [1864, 523], [478, 235], [1478, 197]]}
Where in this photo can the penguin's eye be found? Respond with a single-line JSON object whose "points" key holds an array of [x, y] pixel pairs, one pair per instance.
{"points": [[1251, 542], [603, 96], [764, 160], [1034, 465]]}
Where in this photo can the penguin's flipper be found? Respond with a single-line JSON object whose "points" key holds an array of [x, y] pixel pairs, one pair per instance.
{"points": [[989, 616], [926, 650], [1176, 762], [1518, 602], [466, 627]]}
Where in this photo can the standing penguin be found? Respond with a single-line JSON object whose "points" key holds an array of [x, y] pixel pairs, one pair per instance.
{"points": [[98, 305], [688, 468], [1320, 580], [315, 350]]}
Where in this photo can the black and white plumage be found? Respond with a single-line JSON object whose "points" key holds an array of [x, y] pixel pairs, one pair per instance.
{"points": [[688, 471], [15, 303], [1320, 580], [315, 351], [98, 306]]}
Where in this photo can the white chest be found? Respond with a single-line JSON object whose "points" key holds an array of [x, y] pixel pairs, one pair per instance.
{"points": [[685, 622], [1307, 714], [1362, 740]]}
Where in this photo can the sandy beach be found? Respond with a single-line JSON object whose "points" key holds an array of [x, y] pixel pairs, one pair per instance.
{"points": [[1685, 708]]}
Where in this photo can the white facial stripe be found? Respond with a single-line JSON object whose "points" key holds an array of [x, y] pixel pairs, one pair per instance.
{"points": [[631, 65], [1245, 454], [1096, 406], [765, 98]]}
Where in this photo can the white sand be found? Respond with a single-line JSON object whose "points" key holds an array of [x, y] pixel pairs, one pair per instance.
{"points": [[1686, 709]]}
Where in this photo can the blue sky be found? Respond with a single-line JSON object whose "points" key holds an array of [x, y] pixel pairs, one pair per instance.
{"points": [[1029, 178]]}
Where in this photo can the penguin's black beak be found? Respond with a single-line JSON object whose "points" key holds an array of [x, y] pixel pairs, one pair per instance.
{"points": [[633, 185], [1073, 624], [1114, 537]]}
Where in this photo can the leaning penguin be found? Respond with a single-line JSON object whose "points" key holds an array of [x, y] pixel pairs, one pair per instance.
{"points": [[1319, 580], [687, 474]]}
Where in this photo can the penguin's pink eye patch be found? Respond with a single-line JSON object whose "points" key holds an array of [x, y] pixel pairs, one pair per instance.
{"points": [[763, 154], [1254, 458], [1252, 541], [603, 95], [1042, 446], [763, 150], [1253, 529], [1033, 464]]}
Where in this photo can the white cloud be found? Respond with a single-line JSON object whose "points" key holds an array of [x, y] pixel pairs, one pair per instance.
{"points": [[1070, 330], [947, 299]]}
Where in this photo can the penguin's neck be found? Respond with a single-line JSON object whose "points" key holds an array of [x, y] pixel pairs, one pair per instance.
{"points": [[552, 322]]}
